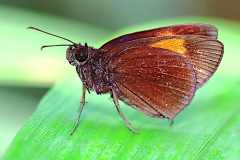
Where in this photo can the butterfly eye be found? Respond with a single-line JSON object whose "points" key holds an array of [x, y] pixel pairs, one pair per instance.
{"points": [[81, 56]]}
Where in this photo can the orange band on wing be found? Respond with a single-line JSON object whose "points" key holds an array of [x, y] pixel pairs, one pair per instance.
{"points": [[174, 44]]}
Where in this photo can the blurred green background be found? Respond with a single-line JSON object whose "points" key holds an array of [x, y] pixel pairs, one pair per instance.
{"points": [[26, 73]]}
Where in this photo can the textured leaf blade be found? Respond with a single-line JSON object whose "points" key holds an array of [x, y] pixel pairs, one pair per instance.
{"points": [[102, 135]]}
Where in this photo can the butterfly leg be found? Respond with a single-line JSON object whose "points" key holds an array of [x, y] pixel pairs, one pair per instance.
{"points": [[127, 123], [82, 103], [171, 122]]}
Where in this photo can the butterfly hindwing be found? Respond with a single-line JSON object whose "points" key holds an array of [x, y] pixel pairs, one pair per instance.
{"points": [[156, 81]]}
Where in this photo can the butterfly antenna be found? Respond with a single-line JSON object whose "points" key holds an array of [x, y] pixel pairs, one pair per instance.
{"points": [[46, 46], [37, 29]]}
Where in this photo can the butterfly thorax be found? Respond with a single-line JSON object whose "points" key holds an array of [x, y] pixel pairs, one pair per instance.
{"points": [[93, 73]]}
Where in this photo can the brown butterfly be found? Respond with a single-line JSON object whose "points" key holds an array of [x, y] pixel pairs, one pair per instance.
{"points": [[155, 71]]}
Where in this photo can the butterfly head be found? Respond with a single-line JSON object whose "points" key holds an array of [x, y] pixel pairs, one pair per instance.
{"points": [[77, 55]]}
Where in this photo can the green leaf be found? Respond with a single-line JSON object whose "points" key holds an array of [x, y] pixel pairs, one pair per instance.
{"points": [[207, 129]]}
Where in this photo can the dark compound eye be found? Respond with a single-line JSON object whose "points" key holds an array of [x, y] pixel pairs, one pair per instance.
{"points": [[81, 56]]}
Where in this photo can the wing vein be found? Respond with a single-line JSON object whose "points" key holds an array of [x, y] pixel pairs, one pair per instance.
{"points": [[141, 98]]}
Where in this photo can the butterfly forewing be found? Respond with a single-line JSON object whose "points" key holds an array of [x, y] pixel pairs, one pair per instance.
{"points": [[203, 52], [185, 29], [156, 81]]}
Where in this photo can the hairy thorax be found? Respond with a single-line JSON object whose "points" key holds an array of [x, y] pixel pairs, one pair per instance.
{"points": [[94, 75]]}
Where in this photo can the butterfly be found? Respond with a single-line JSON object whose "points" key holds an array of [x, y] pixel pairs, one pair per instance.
{"points": [[155, 71]]}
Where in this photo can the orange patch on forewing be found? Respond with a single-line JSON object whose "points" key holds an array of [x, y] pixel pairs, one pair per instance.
{"points": [[175, 44]]}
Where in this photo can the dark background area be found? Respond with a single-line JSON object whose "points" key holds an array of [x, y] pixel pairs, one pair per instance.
{"points": [[117, 14]]}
